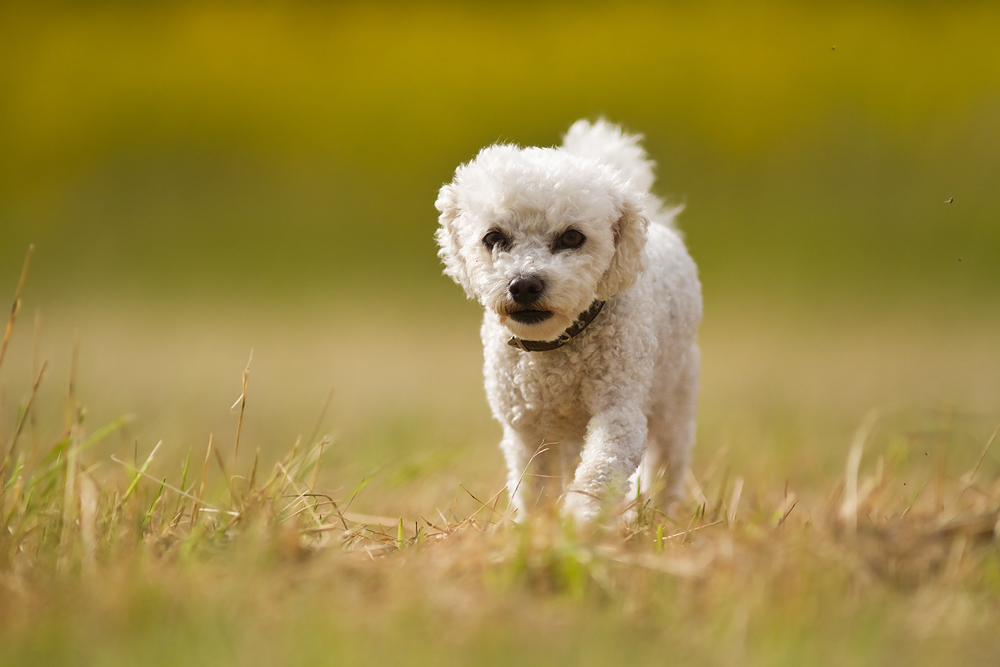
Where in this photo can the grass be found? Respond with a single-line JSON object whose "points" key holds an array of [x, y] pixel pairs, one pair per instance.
{"points": [[888, 557]]}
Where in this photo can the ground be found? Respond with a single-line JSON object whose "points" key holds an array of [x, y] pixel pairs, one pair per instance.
{"points": [[841, 509]]}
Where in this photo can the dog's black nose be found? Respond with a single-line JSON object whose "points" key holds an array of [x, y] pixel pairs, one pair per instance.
{"points": [[526, 289]]}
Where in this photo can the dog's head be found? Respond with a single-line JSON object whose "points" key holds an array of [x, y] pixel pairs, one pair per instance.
{"points": [[538, 234]]}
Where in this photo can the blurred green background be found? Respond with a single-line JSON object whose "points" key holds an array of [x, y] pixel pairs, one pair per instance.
{"points": [[202, 178], [297, 146]]}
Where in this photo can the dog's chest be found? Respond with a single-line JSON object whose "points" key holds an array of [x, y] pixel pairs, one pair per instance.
{"points": [[545, 392]]}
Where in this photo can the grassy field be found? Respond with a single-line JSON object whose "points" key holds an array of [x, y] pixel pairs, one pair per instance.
{"points": [[211, 183], [842, 507]]}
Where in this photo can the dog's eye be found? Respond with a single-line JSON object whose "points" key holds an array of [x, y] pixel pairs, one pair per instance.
{"points": [[494, 239], [570, 239]]}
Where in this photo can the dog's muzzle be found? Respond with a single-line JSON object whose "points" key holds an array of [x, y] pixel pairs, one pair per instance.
{"points": [[530, 316], [581, 323]]}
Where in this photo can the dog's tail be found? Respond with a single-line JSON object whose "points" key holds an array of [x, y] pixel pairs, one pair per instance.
{"points": [[606, 142]]}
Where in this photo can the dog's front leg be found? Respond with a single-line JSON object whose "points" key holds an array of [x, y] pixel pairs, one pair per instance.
{"points": [[523, 484], [616, 441]]}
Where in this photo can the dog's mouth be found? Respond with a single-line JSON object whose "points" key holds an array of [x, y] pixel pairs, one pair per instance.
{"points": [[530, 316]]}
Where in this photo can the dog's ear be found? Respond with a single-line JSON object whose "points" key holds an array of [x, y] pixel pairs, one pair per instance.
{"points": [[448, 240], [630, 241]]}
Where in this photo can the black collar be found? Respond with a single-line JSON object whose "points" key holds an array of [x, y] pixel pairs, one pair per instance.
{"points": [[585, 318]]}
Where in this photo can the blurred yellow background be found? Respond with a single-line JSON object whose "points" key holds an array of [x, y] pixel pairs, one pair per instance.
{"points": [[203, 178]]}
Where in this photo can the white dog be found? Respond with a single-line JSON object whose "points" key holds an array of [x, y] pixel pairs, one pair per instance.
{"points": [[592, 308]]}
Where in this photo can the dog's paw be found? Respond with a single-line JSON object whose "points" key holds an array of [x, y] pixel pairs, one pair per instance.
{"points": [[581, 507], [629, 517]]}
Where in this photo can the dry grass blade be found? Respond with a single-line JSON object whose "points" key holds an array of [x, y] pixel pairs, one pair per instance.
{"points": [[89, 497], [542, 448], [181, 501], [24, 417], [319, 420], [201, 489], [849, 508], [242, 401], [35, 366], [225, 474], [734, 502], [15, 307], [784, 516], [483, 505], [695, 487], [252, 482], [69, 498], [139, 472], [71, 406], [720, 500], [979, 462], [3, 423], [687, 532], [317, 465], [300, 496]]}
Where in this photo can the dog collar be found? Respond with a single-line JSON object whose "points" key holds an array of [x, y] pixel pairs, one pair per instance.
{"points": [[585, 318]]}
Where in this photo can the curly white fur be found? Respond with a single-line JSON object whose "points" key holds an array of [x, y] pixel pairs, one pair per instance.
{"points": [[624, 390]]}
